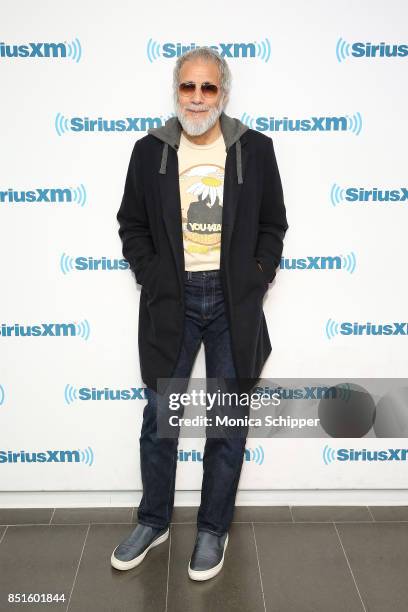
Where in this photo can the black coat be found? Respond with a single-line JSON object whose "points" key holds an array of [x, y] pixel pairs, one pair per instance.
{"points": [[253, 227]]}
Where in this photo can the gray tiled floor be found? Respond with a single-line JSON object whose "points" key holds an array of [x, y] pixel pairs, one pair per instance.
{"points": [[279, 559]]}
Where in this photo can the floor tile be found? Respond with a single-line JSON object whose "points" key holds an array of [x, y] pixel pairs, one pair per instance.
{"points": [[102, 588], [378, 556], [263, 514], [331, 513], [39, 559], [303, 567], [21, 516], [389, 513], [184, 514], [92, 515], [235, 588]]}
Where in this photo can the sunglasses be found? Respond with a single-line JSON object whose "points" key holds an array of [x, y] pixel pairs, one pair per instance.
{"points": [[209, 90]]}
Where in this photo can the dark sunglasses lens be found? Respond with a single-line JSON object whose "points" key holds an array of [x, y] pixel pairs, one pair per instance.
{"points": [[187, 88], [209, 89]]}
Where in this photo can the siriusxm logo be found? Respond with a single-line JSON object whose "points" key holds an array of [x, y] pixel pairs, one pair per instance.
{"points": [[346, 50], [86, 394], [72, 50], [45, 195], [347, 328], [341, 391], [255, 455], [90, 264], [80, 330], [126, 124], [336, 262], [342, 123], [168, 50], [49, 456], [339, 195], [349, 454]]}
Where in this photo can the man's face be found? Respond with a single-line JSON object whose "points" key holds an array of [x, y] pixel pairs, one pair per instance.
{"points": [[197, 113]]}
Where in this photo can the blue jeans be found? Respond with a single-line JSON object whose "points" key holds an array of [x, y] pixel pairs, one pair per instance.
{"points": [[205, 320]]}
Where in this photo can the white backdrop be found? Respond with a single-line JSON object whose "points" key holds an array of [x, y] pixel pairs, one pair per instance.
{"points": [[115, 61]]}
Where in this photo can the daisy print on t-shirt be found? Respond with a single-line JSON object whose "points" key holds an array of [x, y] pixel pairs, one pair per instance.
{"points": [[201, 193]]}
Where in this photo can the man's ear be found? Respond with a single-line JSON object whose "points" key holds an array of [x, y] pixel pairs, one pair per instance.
{"points": [[225, 101]]}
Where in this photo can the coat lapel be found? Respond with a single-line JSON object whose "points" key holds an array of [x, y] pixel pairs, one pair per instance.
{"points": [[171, 209], [231, 196]]}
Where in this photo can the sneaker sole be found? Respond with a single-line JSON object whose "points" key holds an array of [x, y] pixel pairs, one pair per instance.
{"points": [[126, 565], [213, 571]]}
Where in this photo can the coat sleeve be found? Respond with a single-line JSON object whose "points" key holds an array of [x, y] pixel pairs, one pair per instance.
{"points": [[272, 216], [134, 231]]}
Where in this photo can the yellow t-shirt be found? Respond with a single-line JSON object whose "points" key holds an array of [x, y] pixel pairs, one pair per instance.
{"points": [[201, 179]]}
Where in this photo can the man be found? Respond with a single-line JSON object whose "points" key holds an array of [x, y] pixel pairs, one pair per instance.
{"points": [[202, 221]]}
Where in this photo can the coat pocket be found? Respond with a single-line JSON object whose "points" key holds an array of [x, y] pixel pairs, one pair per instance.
{"points": [[261, 274], [149, 271]]}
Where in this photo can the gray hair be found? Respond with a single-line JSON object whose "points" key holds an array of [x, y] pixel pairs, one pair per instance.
{"points": [[207, 54]]}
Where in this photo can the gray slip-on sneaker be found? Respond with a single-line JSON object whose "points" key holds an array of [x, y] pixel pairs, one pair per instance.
{"points": [[208, 555], [133, 549]]}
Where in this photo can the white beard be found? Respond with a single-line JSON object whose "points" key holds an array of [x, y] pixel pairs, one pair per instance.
{"points": [[197, 126]]}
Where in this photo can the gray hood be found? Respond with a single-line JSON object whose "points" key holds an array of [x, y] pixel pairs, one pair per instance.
{"points": [[232, 130]]}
